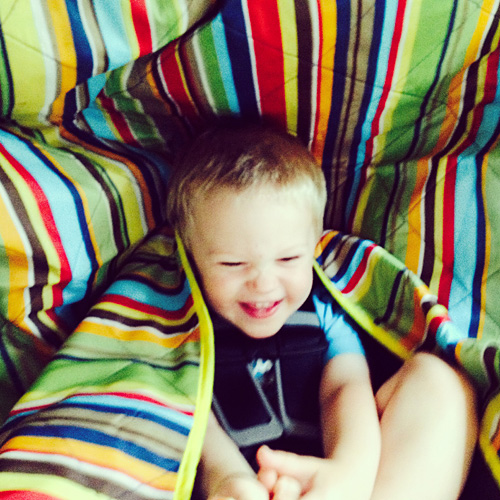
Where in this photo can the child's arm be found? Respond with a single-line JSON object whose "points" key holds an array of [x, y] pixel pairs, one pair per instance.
{"points": [[224, 472], [351, 435]]}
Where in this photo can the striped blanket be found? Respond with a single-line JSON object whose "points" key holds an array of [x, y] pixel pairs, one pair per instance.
{"points": [[105, 345]]}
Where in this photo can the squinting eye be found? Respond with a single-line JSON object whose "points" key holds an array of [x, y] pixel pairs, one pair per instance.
{"points": [[231, 264], [289, 259]]}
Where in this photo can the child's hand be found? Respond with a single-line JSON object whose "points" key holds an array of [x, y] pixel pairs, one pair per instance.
{"points": [[240, 487], [317, 478], [249, 488]]}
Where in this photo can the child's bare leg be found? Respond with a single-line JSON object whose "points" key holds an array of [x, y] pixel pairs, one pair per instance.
{"points": [[429, 428]]}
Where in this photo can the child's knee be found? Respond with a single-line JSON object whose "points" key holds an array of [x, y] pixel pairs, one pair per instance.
{"points": [[434, 373], [443, 385], [431, 381]]}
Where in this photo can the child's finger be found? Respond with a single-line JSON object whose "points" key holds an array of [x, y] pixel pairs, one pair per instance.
{"points": [[287, 464], [287, 488], [268, 478]]}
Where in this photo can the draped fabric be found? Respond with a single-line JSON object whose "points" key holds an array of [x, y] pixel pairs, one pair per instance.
{"points": [[103, 336]]}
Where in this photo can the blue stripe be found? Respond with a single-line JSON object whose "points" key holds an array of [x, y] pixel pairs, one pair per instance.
{"points": [[101, 439], [239, 54], [166, 417], [67, 210], [338, 89], [181, 362], [481, 239], [384, 19], [350, 262], [225, 63], [84, 65], [330, 247], [92, 113], [144, 294], [466, 240], [110, 19]]}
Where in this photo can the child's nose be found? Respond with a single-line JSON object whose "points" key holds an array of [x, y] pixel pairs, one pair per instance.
{"points": [[263, 281]]}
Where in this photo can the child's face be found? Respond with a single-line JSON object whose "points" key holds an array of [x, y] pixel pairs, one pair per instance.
{"points": [[254, 252]]}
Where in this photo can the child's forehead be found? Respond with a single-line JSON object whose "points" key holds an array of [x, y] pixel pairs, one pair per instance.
{"points": [[255, 194], [251, 215], [227, 210]]}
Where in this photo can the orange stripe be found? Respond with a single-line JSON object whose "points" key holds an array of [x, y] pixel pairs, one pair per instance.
{"points": [[414, 218], [115, 332], [328, 33], [67, 55], [94, 454]]}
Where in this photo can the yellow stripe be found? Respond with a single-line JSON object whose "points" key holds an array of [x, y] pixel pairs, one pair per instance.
{"points": [[24, 58], [61, 28], [487, 433], [18, 267], [328, 35], [487, 247], [454, 102], [437, 268], [97, 455], [413, 247], [400, 77], [58, 487], [133, 42], [81, 192], [183, 77], [42, 397], [361, 205], [288, 24], [129, 312], [192, 453], [115, 332], [485, 15]]}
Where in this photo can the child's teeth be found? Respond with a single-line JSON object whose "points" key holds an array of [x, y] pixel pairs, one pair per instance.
{"points": [[263, 305]]}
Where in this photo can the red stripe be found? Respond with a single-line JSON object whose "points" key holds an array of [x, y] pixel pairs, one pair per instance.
{"points": [[142, 28], [391, 64], [25, 495], [137, 305], [446, 278], [269, 62], [138, 397], [360, 271], [45, 210], [175, 88], [490, 87], [318, 133], [448, 257], [436, 322], [118, 120], [375, 129], [124, 395]]}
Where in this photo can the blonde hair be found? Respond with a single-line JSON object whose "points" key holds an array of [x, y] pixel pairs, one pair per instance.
{"points": [[239, 157]]}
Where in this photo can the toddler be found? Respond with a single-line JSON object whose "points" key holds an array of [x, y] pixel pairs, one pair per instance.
{"points": [[291, 372]]}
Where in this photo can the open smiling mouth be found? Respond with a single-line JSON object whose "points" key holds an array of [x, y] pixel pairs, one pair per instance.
{"points": [[260, 310]]}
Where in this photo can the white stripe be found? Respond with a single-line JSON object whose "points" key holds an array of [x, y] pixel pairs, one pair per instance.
{"points": [[315, 57], [91, 470], [50, 59], [28, 252], [248, 31]]}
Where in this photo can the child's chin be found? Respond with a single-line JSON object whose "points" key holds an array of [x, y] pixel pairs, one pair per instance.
{"points": [[263, 333]]}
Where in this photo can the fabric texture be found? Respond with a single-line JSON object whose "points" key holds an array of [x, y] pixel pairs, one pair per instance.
{"points": [[103, 334]]}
